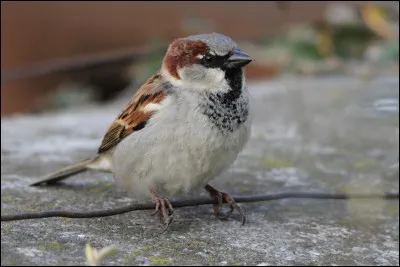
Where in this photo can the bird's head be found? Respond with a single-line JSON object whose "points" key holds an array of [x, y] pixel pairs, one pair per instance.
{"points": [[204, 62]]}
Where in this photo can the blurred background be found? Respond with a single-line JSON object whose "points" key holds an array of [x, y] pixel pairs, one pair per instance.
{"points": [[325, 88], [61, 54]]}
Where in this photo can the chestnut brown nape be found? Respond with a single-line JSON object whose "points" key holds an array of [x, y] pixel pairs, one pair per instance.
{"points": [[182, 52]]}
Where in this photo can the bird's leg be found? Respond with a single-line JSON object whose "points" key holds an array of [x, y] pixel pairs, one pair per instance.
{"points": [[219, 199], [163, 208]]}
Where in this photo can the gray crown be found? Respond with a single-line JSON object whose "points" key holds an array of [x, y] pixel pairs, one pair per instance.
{"points": [[218, 43]]}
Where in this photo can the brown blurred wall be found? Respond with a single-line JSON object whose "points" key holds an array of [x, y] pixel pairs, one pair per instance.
{"points": [[36, 31]]}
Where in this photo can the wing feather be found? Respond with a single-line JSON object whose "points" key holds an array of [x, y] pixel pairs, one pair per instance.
{"points": [[134, 116]]}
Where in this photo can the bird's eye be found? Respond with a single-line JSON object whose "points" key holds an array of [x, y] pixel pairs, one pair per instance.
{"points": [[208, 59]]}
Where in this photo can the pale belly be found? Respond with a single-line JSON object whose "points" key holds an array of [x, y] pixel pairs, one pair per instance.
{"points": [[175, 162]]}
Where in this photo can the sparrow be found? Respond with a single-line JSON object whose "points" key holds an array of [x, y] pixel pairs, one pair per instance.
{"points": [[184, 126]]}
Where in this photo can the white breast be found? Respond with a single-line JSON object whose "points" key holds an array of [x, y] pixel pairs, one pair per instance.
{"points": [[178, 151]]}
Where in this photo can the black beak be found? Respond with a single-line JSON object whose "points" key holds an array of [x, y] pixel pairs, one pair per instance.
{"points": [[237, 60]]}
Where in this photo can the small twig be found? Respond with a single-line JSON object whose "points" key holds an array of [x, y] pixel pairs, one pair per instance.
{"points": [[192, 202]]}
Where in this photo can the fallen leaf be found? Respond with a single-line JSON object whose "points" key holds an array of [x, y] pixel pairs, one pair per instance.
{"points": [[95, 257]]}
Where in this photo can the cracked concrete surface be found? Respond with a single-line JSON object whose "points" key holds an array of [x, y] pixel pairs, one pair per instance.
{"points": [[328, 134]]}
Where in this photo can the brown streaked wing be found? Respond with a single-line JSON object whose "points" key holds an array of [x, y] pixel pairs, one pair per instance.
{"points": [[133, 118]]}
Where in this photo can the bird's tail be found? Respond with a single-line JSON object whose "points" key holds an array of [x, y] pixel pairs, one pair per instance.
{"points": [[66, 172]]}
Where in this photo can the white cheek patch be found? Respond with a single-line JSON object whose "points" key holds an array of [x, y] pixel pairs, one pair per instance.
{"points": [[212, 80], [199, 56], [215, 76], [197, 77], [151, 107]]}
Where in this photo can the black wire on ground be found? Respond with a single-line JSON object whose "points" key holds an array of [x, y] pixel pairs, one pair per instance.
{"points": [[192, 202]]}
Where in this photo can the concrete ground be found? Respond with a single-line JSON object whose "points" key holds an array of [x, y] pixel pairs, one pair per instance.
{"points": [[330, 134]]}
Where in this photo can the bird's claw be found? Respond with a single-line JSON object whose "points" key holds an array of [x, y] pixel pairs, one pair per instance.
{"points": [[164, 210], [219, 199]]}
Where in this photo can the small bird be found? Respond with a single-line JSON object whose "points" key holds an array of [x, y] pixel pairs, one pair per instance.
{"points": [[183, 127]]}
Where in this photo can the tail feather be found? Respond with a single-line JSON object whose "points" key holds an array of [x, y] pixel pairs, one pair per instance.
{"points": [[65, 172]]}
